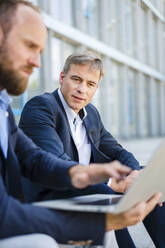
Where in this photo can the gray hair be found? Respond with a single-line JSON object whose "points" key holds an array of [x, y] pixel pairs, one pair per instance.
{"points": [[84, 58]]}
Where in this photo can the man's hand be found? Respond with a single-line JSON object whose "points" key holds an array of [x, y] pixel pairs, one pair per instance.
{"points": [[132, 216], [123, 185], [82, 176]]}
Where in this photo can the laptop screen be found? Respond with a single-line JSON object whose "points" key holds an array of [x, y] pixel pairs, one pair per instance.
{"points": [[102, 202]]}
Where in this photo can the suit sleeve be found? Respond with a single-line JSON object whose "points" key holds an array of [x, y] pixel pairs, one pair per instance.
{"points": [[40, 166], [38, 121], [110, 147], [18, 219]]}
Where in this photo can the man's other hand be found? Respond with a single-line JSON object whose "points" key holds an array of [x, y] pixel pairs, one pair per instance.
{"points": [[82, 176], [132, 216], [123, 185]]}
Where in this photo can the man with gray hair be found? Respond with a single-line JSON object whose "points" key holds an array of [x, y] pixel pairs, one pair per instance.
{"points": [[66, 124]]}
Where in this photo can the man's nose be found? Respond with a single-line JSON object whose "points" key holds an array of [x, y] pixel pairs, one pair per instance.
{"points": [[35, 60], [82, 87]]}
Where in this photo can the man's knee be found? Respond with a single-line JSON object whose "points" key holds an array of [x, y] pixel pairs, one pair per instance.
{"points": [[44, 241], [29, 241]]}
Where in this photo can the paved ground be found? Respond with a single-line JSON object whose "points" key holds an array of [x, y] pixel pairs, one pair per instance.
{"points": [[143, 149]]}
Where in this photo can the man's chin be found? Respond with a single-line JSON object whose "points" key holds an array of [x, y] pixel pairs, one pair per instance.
{"points": [[16, 91], [17, 88], [13, 81]]}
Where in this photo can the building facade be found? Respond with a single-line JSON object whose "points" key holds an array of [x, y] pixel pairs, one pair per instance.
{"points": [[129, 35]]}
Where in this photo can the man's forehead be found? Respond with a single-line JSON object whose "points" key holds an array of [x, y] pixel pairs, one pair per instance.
{"points": [[28, 24], [79, 67], [25, 14], [82, 68]]}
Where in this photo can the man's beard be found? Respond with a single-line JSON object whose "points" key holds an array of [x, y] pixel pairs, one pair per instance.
{"points": [[10, 78], [11, 81]]}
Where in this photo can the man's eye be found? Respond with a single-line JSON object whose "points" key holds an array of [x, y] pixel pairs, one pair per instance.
{"points": [[30, 45], [91, 84], [76, 79]]}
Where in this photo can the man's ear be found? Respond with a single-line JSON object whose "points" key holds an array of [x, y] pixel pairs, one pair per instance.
{"points": [[1, 34], [61, 77]]}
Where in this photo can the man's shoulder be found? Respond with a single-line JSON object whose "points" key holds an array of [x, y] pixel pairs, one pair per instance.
{"points": [[91, 109], [46, 100], [45, 97], [42, 106]]}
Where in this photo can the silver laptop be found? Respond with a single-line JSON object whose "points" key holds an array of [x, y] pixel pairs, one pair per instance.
{"points": [[150, 181]]}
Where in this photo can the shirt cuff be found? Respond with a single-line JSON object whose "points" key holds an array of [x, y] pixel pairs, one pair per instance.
{"points": [[109, 182]]}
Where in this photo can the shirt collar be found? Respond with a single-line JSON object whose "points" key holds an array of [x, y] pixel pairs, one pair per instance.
{"points": [[70, 112], [4, 98]]}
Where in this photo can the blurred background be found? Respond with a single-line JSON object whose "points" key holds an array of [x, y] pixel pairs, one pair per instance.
{"points": [[129, 35]]}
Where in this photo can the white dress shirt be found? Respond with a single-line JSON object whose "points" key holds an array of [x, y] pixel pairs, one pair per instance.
{"points": [[79, 133]]}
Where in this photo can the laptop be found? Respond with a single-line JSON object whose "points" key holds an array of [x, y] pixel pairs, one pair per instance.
{"points": [[150, 180]]}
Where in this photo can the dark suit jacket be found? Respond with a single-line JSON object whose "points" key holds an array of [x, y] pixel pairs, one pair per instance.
{"points": [[44, 120], [16, 218]]}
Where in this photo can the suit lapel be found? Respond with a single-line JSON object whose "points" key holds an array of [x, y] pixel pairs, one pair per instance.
{"points": [[2, 167], [87, 125], [12, 170], [97, 155]]}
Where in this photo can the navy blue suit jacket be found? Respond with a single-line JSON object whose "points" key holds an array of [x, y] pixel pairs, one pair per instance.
{"points": [[16, 218], [44, 120]]}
